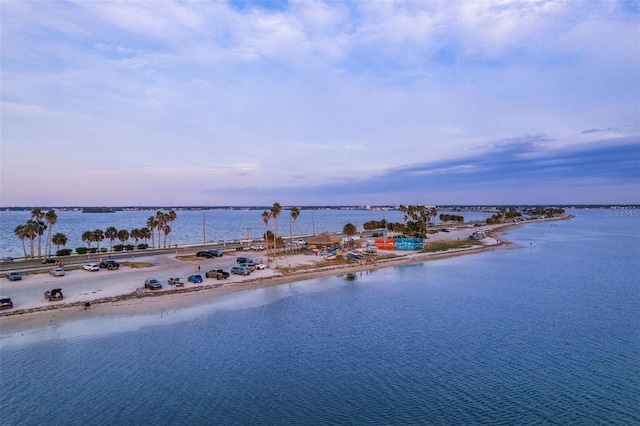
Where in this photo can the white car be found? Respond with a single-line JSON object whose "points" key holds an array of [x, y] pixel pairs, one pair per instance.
{"points": [[260, 265], [91, 267], [258, 247]]}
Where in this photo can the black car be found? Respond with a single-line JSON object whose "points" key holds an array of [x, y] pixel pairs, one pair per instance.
{"points": [[242, 260], [218, 274], [14, 276], [109, 264], [6, 303], [55, 294], [48, 260], [152, 284], [215, 253], [206, 254]]}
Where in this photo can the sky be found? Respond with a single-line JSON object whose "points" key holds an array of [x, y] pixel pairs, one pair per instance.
{"points": [[108, 103]]}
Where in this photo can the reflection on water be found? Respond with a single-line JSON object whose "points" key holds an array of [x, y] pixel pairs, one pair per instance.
{"points": [[545, 336]]}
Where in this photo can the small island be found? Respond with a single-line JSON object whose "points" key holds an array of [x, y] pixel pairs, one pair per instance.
{"points": [[98, 210]]}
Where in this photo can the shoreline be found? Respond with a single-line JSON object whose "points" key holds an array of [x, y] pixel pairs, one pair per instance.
{"points": [[139, 303]]}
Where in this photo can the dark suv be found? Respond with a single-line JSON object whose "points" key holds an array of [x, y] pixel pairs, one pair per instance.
{"points": [[6, 303], [109, 264], [206, 254]]}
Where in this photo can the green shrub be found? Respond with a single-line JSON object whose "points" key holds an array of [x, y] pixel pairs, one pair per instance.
{"points": [[63, 252], [81, 250], [129, 247], [118, 247], [103, 250], [143, 246]]}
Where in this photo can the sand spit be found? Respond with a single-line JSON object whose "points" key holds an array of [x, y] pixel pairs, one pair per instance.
{"points": [[299, 267]]}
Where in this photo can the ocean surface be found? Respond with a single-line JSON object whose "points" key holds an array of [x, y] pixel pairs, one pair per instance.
{"points": [[541, 335], [193, 226]]}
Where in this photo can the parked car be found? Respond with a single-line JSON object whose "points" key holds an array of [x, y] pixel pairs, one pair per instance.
{"points": [[216, 253], [152, 284], [258, 247], [109, 264], [7, 259], [206, 254], [55, 294], [57, 272], [195, 279], [260, 265], [6, 303], [14, 276], [240, 270], [250, 265], [91, 267], [243, 260], [48, 260], [218, 274], [178, 282]]}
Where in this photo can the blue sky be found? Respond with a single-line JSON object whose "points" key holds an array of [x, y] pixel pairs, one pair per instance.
{"points": [[303, 103]]}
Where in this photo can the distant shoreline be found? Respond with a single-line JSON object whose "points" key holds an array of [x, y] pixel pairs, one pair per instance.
{"points": [[138, 302]]}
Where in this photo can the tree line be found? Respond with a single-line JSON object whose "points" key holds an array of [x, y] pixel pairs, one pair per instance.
{"points": [[271, 239], [39, 222]]}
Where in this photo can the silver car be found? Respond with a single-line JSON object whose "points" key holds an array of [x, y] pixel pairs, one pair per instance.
{"points": [[57, 272]]}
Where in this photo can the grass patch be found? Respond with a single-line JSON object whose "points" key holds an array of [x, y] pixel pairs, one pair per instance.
{"points": [[447, 245], [138, 265]]}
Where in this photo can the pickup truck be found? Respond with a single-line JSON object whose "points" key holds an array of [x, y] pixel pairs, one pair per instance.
{"points": [[218, 274], [55, 294]]}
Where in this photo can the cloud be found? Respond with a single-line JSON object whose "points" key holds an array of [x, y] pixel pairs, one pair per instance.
{"points": [[504, 168], [316, 93]]}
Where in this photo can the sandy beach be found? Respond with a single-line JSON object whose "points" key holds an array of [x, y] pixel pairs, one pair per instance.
{"points": [[122, 292]]}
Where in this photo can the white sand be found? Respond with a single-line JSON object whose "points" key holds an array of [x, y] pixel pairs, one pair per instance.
{"points": [[122, 291]]}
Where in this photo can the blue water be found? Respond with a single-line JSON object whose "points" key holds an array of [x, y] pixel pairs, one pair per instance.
{"points": [[191, 226], [195, 227], [544, 335]]}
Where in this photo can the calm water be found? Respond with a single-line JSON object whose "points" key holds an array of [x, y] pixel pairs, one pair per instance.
{"points": [[544, 335], [189, 228], [195, 226]]}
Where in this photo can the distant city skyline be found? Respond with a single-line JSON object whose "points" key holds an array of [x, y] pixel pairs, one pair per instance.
{"points": [[319, 103]]}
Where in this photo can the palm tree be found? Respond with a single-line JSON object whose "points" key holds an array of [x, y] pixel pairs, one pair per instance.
{"points": [[433, 212], [295, 213], [51, 217], [403, 210], [151, 225], [167, 231], [88, 237], [31, 229], [111, 233], [123, 235], [145, 234], [172, 216], [136, 234], [59, 239], [162, 221], [21, 233], [265, 218], [349, 230], [276, 209], [98, 235], [38, 215]]}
